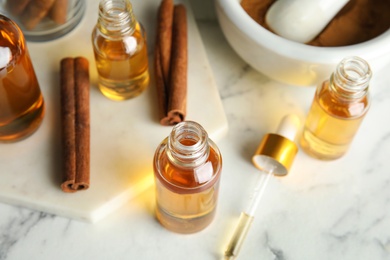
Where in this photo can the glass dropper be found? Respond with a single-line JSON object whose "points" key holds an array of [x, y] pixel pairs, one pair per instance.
{"points": [[274, 156], [246, 217]]}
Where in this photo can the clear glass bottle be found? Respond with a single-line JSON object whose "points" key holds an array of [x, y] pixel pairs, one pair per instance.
{"points": [[119, 44], [21, 102], [187, 168], [337, 111]]}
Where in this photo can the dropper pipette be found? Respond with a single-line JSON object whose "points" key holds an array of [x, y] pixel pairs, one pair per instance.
{"points": [[274, 156], [246, 217]]}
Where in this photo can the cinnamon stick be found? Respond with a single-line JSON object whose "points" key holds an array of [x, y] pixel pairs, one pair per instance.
{"points": [[75, 124], [171, 80], [59, 10], [177, 102], [161, 85], [35, 11], [16, 7], [68, 112], [163, 54], [164, 36]]}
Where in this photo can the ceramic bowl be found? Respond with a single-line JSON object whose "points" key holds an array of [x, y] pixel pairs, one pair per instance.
{"points": [[287, 61]]}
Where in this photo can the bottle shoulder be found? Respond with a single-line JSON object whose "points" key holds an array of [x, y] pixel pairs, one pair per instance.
{"points": [[338, 106], [108, 45], [177, 177], [136, 31]]}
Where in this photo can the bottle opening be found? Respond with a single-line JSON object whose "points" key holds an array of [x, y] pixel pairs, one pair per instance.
{"points": [[188, 143], [116, 16], [113, 8], [354, 71]]}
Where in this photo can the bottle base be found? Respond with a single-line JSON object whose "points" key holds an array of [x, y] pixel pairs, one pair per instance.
{"points": [[183, 225], [24, 126], [122, 91], [320, 149]]}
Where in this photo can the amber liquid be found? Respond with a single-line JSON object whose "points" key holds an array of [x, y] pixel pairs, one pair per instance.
{"points": [[239, 235], [122, 64], [331, 125], [21, 101], [187, 198]]}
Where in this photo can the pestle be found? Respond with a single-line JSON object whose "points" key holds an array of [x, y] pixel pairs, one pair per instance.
{"points": [[302, 20]]}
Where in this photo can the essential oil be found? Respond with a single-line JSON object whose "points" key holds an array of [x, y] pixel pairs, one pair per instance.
{"points": [[119, 44], [337, 111], [21, 102], [187, 168]]}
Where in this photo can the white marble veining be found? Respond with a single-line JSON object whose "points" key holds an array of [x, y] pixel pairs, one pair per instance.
{"points": [[322, 210]]}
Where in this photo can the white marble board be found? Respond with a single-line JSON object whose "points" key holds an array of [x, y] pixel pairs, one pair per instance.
{"points": [[124, 135]]}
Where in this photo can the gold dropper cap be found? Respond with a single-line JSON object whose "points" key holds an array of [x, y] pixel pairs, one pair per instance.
{"points": [[276, 152]]}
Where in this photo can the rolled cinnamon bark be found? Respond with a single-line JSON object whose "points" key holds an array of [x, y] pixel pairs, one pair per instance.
{"points": [[164, 36], [177, 101], [59, 10], [68, 112], [82, 124], [172, 93], [35, 11], [161, 86], [16, 7], [75, 124], [162, 55]]}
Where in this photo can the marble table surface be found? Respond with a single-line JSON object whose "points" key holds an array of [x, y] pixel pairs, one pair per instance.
{"points": [[321, 210]]}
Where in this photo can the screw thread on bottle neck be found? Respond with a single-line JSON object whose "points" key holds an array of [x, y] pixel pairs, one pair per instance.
{"points": [[116, 17], [188, 145], [351, 78]]}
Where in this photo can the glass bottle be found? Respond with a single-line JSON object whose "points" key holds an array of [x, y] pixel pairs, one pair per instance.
{"points": [[21, 102], [119, 44], [187, 168], [337, 111]]}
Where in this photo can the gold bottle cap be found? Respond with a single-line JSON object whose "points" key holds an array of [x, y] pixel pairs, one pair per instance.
{"points": [[276, 152]]}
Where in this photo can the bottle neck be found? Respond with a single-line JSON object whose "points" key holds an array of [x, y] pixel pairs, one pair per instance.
{"points": [[351, 79], [116, 18], [188, 145]]}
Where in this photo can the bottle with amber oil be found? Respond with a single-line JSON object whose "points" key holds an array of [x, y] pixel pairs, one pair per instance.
{"points": [[119, 44], [337, 111], [187, 168], [21, 102]]}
